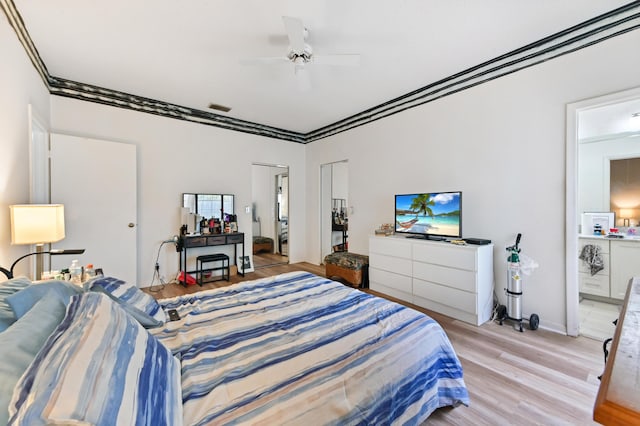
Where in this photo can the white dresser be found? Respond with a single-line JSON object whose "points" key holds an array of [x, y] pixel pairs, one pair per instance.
{"points": [[621, 259], [450, 279]]}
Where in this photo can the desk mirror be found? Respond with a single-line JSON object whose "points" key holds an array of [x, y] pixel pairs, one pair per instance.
{"points": [[208, 205]]}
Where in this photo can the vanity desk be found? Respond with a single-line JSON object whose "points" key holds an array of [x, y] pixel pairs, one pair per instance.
{"points": [[186, 242]]}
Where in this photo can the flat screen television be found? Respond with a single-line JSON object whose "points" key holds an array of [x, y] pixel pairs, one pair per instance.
{"points": [[433, 215]]}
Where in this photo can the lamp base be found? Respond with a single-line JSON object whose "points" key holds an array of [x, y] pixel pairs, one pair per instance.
{"points": [[39, 261]]}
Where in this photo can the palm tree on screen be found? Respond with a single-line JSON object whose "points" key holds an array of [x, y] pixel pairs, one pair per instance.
{"points": [[421, 203]]}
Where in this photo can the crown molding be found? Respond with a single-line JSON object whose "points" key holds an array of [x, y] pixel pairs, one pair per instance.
{"points": [[101, 95], [596, 30]]}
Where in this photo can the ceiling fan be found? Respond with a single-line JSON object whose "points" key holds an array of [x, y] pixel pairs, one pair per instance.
{"points": [[300, 53]]}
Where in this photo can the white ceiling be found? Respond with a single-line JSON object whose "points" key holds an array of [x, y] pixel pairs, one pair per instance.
{"points": [[605, 121], [190, 53]]}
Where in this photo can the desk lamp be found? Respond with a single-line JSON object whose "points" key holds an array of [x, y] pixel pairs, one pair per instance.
{"points": [[37, 224]]}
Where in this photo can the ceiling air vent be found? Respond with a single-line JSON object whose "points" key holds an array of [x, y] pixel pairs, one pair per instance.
{"points": [[219, 107]]}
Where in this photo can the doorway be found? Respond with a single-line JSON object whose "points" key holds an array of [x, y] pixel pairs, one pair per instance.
{"points": [[270, 215], [598, 131], [334, 220]]}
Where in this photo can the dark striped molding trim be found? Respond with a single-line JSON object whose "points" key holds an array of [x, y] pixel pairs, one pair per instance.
{"points": [[614, 23]]}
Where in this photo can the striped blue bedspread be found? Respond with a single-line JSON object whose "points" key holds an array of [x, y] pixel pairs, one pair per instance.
{"points": [[301, 349]]}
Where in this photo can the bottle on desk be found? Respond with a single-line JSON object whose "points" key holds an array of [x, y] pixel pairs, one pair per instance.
{"points": [[75, 272]]}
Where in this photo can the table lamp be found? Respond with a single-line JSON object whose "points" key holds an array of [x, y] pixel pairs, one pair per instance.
{"points": [[625, 214], [37, 224]]}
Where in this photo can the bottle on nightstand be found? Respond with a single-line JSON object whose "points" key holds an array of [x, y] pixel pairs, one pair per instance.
{"points": [[89, 272], [75, 271]]}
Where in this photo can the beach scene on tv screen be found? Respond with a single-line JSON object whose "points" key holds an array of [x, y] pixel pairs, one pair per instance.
{"points": [[437, 214]]}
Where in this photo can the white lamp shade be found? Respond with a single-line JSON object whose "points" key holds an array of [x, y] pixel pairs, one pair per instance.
{"points": [[626, 213], [37, 223]]}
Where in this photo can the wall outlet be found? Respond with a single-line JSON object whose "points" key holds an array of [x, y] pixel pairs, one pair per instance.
{"points": [[247, 209]]}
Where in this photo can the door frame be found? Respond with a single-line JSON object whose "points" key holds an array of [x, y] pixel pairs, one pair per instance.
{"points": [[571, 202]]}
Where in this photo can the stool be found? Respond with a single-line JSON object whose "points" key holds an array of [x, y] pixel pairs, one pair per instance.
{"points": [[218, 257], [351, 267], [262, 244]]}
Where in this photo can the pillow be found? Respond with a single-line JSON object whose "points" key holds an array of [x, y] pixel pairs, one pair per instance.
{"points": [[100, 367], [23, 300], [7, 288], [20, 343], [129, 294], [145, 320]]}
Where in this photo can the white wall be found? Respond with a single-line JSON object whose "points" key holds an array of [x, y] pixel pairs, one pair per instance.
{"points": [[502, 144], [20, 85], [176, 157]]}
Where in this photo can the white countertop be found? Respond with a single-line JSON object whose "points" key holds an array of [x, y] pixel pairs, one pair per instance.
{"points": [[604, 237]]}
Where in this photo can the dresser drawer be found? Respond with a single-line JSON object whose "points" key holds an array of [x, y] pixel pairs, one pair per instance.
{"points": [[446, 255], [455, 298], [217, 240], [390, 246], [195, 242], [391, 280], [235, 239], [390, 264], [449, 277], [597, 285], [584, 266], [603, 244]]}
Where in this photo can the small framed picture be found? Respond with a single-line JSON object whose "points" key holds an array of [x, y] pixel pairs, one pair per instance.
{"points": [[233, 226], [244, 264]]}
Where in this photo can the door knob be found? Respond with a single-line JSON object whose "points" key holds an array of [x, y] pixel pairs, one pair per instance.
{"points": [[131, 224]]}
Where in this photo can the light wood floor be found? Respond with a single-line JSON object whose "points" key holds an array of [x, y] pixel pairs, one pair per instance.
{"points": [[596, 318], [261, 260], [531, 378]]}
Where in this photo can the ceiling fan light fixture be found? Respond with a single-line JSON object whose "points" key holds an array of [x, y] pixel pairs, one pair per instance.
{"points": [[298, 63], [218, 107]]}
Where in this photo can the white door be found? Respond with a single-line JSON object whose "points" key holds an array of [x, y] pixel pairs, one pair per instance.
{"points": [[96, 182]]}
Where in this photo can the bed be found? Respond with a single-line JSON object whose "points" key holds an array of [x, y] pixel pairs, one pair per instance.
{"points": [[290, 349]]}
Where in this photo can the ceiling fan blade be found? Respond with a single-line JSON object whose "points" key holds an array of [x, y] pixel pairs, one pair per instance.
{"points": [[341, 60], [266, 60], [295, 32], [302, 79]]}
